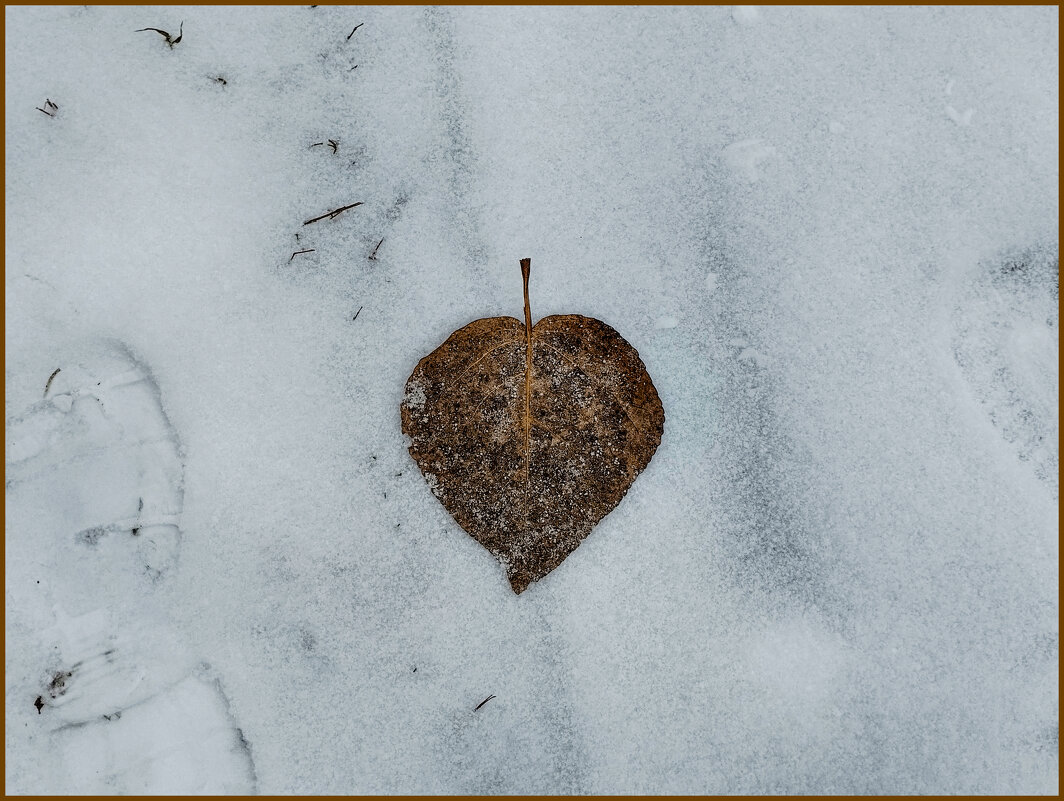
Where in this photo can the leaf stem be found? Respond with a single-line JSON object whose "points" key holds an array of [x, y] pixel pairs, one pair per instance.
{"points": [[526, 266]]}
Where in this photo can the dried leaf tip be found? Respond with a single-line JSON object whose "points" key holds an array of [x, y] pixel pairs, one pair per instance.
{"points": [[519, 582]]}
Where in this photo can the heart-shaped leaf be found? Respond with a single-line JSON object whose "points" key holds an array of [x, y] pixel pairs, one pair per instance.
{"points": [[530, 435]]}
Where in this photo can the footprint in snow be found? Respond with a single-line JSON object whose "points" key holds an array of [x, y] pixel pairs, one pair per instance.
{"points": [[94, 498], [1005, 334]]}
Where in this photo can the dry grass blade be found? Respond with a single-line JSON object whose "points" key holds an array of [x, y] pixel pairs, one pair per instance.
{"points": [[165, 34], [51, 378]]}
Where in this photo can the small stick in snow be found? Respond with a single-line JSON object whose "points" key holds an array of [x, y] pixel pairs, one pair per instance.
{"points": [[43, 111], [48, 104], [373, 255], [478, 706], [352, 320], [316, 144], [221, 80], [334, 145], [48, 385], [353, 31], [169, 39], [333, 213], [296, 253]]}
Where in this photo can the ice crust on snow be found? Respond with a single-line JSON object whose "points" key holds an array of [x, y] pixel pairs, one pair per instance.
{"points": [[839, 573]]}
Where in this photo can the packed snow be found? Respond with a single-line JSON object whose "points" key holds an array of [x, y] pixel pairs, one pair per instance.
{"points": [[831, 234]]}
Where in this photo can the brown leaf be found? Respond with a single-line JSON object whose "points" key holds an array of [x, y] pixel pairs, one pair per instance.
{"points": [[529, 454]]}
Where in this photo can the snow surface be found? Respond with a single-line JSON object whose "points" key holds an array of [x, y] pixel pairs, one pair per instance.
{"points": [[831, 233]]}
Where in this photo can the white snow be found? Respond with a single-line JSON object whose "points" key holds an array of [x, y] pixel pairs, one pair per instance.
{"points": [[832, 235], [746, 15], [745, 157]]}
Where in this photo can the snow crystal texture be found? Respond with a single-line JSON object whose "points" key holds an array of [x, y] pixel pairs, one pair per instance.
{"points": [[831, 234]]}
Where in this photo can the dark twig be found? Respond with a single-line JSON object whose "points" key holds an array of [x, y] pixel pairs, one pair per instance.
{"points": [[352, 320], [296, 253], [333, 213], [316, 144], [334, 145], [140, 508], [48, 384], [50, 114], [373, 255], [353, 31], [220, 80], [478, 706]]}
